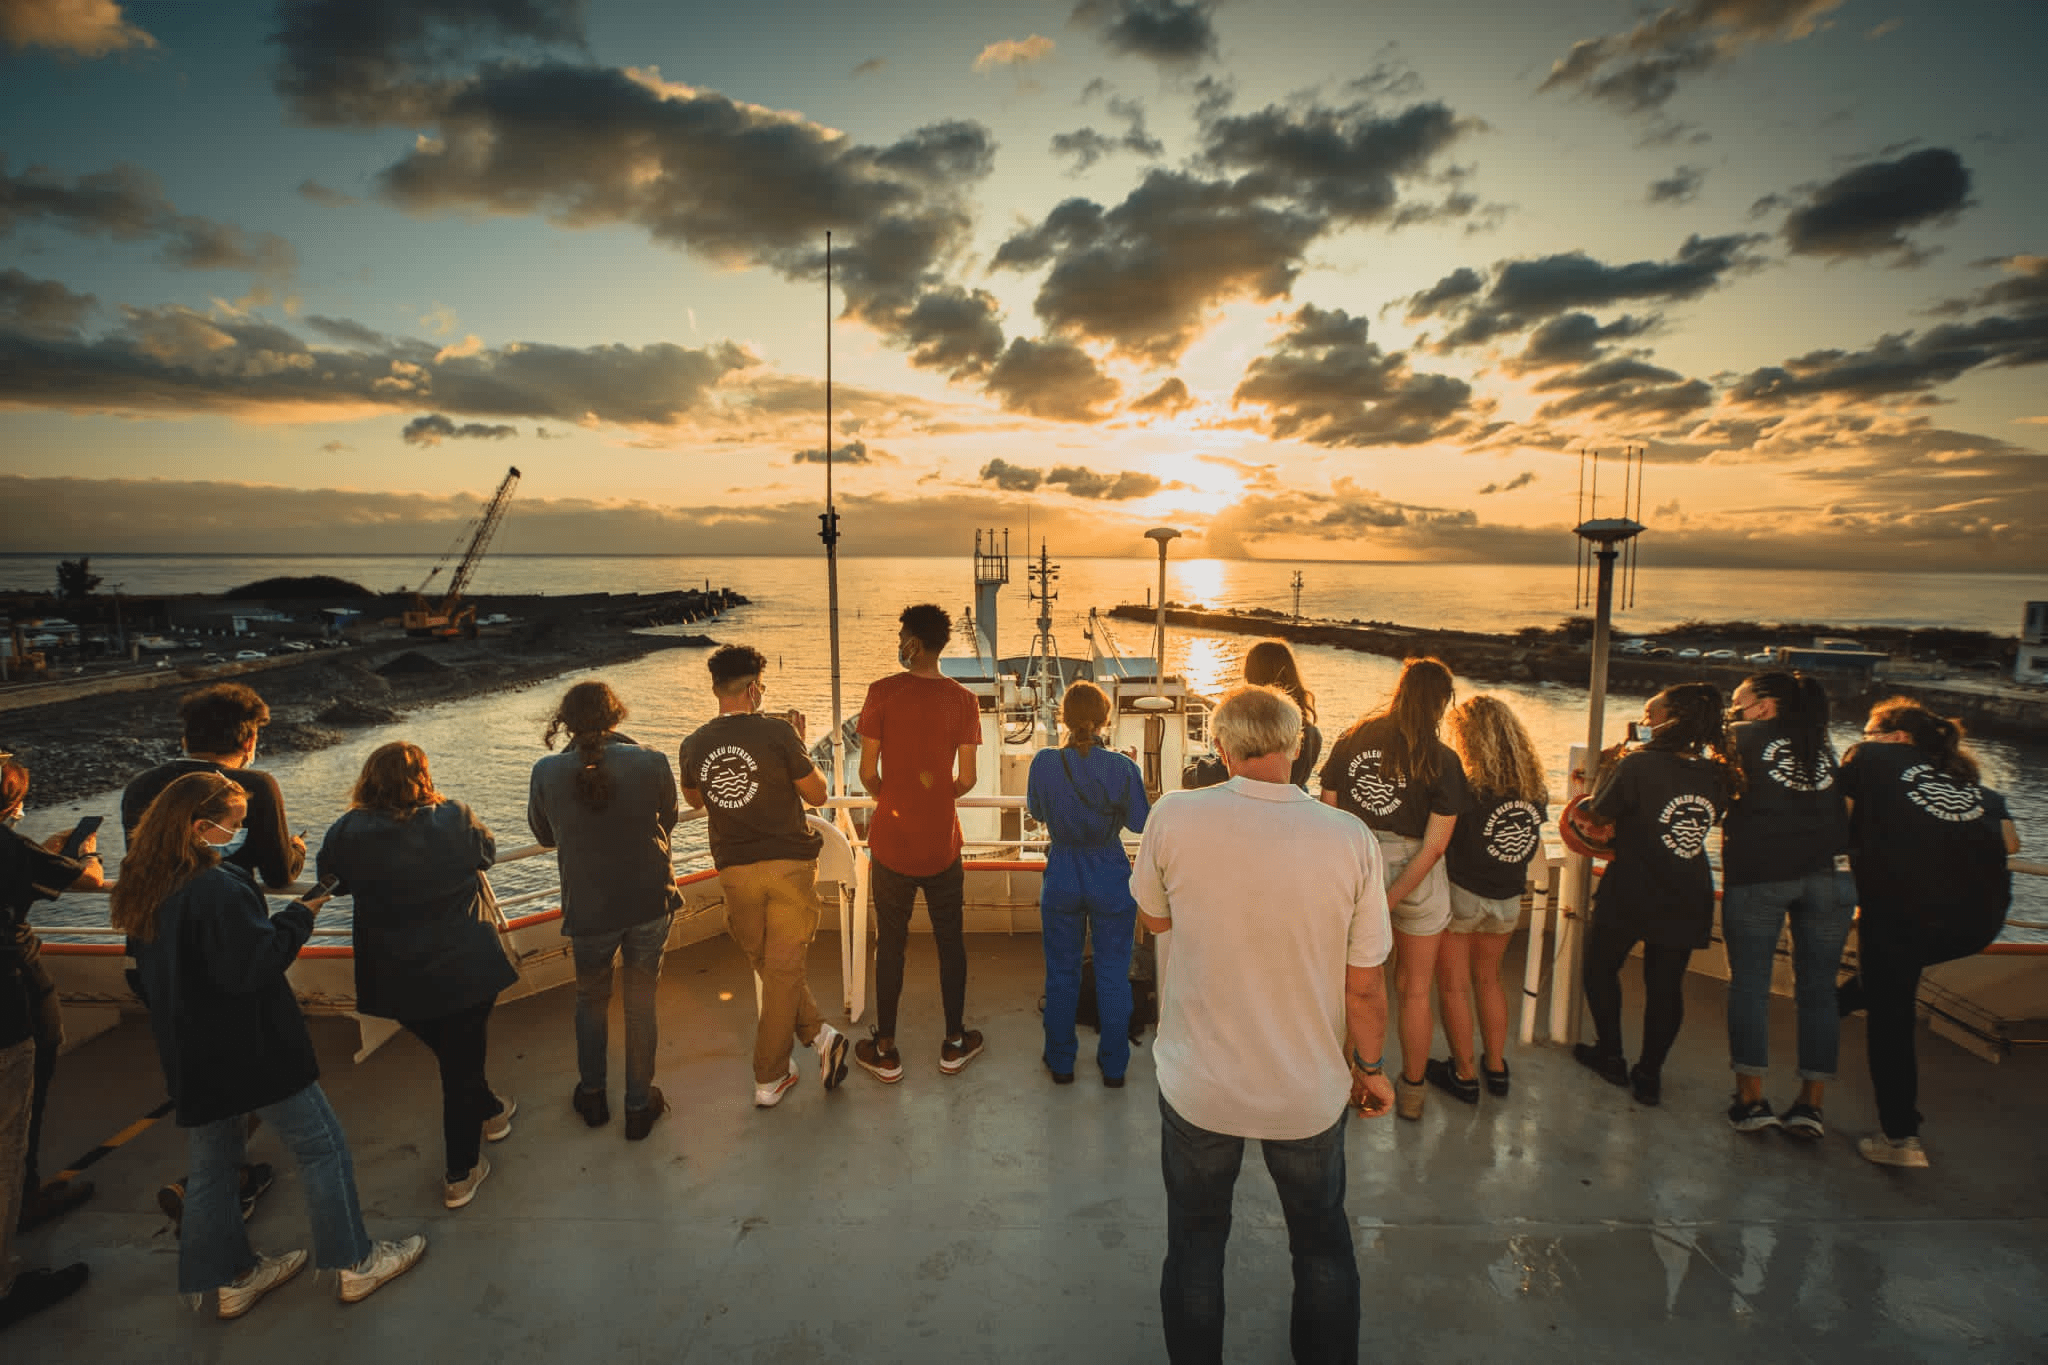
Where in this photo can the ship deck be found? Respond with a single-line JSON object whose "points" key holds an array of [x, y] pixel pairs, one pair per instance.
{"points": [[991, 1216]]}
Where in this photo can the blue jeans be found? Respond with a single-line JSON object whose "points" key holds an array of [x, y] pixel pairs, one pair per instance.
{"points": [[1087, 890], [639, 950], [213, 1249], [1201, 1172], [1751, 917]]}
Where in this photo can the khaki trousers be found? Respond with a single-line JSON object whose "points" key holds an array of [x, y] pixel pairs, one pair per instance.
{"points": [[771, 911]]}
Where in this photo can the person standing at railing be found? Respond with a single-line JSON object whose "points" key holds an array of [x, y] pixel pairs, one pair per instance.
{"points": [[211, 962], [427, 951], [608, 805], [1086, 795], [920, 733], [1272, 917], [1662, 798], [751, 776], [1488, 867], [1391, 770], [1928, 842], [1270, 663], [31, 1032], [1778, 851], [222, 724]]}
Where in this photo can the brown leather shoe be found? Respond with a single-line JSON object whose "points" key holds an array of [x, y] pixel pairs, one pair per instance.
{"points": [[1409, 1096], [639, 1121], [596, 1110]]}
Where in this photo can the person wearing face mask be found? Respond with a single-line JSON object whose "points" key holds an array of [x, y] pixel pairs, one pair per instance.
{"points": [[221, 728], [919, 735], [221, 725], [211, 963], [31, 1032], [1669, 788]]}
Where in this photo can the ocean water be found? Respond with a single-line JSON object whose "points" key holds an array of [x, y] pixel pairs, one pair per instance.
{"points": [[483, 748]]}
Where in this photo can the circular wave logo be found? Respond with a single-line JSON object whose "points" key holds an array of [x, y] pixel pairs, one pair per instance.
{"points": [[1512, 832], [1941, 796], [1369, 790], [1683, 824], [1781, 763], [729, 777]]}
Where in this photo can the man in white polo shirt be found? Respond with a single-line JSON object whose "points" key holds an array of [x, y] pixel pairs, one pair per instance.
{"points": [[1273, 1010]]}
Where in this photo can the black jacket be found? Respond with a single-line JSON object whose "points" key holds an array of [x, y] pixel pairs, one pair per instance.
{"points": [[423, 946], [228, 1030]]}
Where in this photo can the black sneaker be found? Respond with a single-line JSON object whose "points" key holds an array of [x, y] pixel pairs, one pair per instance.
{"points": [[35, 1290], [1753, 1116], [1610, 1067], [1443, 1074], [1648, 1086], [1803, 1121], [592, 1105]]}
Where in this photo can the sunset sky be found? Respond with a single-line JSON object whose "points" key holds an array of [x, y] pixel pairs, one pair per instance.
{"points": [[1344, 280]]}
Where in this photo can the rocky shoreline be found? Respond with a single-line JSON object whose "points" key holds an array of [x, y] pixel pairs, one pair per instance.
{"points": [[83, 745]]}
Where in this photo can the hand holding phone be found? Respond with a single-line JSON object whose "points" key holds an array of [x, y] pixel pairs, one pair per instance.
{"points": [[82, 836], [322, 890]]}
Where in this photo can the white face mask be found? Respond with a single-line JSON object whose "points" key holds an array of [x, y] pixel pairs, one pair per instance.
{"points": [[234, 842]]}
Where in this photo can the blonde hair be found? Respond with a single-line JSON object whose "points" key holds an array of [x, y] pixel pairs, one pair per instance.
{"points": [[1251, 722], [1499, 757], [165, 853]]}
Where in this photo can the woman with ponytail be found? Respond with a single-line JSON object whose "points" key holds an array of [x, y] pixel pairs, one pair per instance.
{"points": [[1671, 786], [1086, 795], [1391, 770], [1928, 842], [210, 960], [1777, 862], [608, 805]]}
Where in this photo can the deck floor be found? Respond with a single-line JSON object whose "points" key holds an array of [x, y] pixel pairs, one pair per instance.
{"points": [[990, 1216]]}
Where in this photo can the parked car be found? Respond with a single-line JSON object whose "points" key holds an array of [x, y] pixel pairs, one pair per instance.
{"points": [[1688, 653], [1633, 647], [211, 658], [1762, 656], [248, 655], [1719, 654], [1660, 652]]}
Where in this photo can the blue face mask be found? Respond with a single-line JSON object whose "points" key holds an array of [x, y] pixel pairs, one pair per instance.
{"points": [[235, 841]]}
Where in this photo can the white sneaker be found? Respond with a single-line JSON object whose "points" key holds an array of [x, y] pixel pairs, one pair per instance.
{"points": [[386, 1262], [1893, 1151], [267, 1274], [456, 1193], [768, 1096], [831, 1047], [499, 1126]]}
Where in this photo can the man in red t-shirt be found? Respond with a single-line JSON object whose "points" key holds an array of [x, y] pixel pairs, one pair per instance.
{"points": [[919, 733]]}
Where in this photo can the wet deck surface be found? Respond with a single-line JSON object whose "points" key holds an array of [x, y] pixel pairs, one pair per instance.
{"points": [[990, 1216]]}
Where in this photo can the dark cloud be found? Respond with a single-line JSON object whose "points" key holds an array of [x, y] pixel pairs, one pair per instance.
{"points": [[1682, 186], [1052, 378], [1011, 478], [1526, 292], [1521, 480], [1867, 211], [348, 332], [1461, 284], [733, 183], [376, 62], [336, 448], [1342, 164], [128, 204], [40, 308], [1088, 146], [1638, 71], [1627, 388], [1162, 31], [180, 361], [1086, 483], [853, 452], [1170, 397], [324, 196], [871, 67], [1325, 383], [433, 429], [1348, 512], [1575, 339]]}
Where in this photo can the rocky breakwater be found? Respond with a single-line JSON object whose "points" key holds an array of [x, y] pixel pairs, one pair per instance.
{"points": [[87, 744]]}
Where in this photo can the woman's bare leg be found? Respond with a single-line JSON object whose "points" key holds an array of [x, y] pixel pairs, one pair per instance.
{"points": [[1454, 998], [1486, 952], [1415, 967]]}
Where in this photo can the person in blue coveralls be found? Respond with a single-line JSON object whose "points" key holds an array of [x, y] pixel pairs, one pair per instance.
{"points": [[1085, 795]]}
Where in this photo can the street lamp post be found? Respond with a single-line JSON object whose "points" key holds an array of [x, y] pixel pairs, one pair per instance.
{"points": [[1162, 534]]}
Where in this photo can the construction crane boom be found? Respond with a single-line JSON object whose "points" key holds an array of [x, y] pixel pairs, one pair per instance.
{"points": [[450, 617]]}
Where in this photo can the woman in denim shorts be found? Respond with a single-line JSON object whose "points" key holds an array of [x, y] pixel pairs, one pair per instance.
{"points": [[1392, 771], [1488, 865]]}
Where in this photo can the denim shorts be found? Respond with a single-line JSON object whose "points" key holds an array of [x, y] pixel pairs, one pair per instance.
{"points": [[1472, 913], [1428, 907]]}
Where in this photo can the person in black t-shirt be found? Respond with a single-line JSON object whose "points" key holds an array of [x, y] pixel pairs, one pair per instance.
{"points": [[752, 776], [1488, 866], [1778, 852], [1392, 771], [31, 1031], [221, 725], [1662, 799], [1928, 842], [1270, 663]]}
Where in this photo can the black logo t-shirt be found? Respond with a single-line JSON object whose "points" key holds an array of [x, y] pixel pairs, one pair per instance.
{"points": [[1358, 772], [746, 768], [1925, 845], [1658, 886], [1789, 820], [1493, 843]]}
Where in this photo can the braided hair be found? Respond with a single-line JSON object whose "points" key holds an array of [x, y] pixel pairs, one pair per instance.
{"points": [[1802, 704], [589, 710], [1939, 737], [1698, 728]]}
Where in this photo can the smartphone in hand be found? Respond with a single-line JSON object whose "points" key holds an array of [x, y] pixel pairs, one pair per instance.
{"points": [[87, 827], [324, 888]]}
